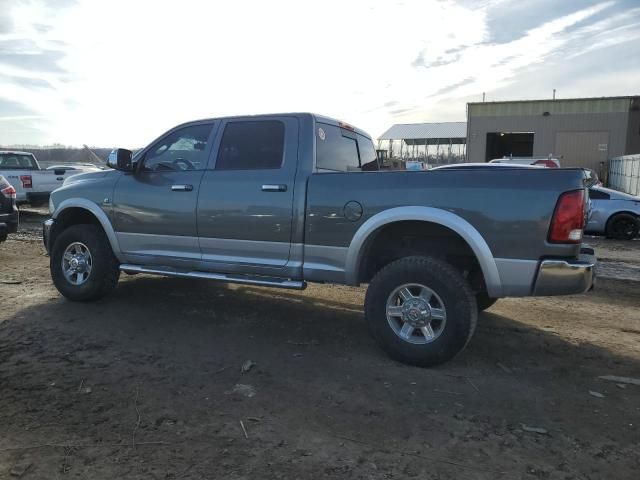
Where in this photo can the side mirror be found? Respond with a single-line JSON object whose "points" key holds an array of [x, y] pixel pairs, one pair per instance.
{"points": [[120, 159]]}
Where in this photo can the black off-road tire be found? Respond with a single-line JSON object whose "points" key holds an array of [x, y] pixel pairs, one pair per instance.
{"points": [[105, 267], [484, 301], [457, 297], [623, 226]]}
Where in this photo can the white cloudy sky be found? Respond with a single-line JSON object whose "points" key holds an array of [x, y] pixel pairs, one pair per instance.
{"points": [[120, 72]]}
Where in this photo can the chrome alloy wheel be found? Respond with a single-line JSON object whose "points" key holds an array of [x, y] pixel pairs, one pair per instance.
{"points": [[416, 313], [77, 263]]}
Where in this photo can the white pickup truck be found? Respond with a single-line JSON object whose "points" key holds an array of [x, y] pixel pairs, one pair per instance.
{"points": [[33, 184]]}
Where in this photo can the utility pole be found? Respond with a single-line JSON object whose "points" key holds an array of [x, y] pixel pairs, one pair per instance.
{"points": [[554, 93]]}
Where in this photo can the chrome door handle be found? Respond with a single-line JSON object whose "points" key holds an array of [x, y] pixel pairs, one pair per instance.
{"points": [[181, 188], [274, 188]]}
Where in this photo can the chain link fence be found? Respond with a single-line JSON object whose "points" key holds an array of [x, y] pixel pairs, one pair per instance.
{"points": [[624, 174]]}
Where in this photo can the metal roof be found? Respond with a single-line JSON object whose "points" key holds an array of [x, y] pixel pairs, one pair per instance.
{"points": [[416, 131], [577, 99]]}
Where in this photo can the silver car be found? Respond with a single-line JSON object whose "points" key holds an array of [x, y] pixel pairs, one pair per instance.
{"points": [[614, 214]]}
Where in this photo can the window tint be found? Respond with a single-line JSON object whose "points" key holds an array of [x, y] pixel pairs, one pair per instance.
{"points": [[368, 155], [598, 195], [17, 161], [184, 149], [253, 145], [336, 150]]}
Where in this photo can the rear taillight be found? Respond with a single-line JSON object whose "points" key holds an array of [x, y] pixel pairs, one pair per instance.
{"points": [[27, 181], [568, 219], [9, 191], [546, 163]]}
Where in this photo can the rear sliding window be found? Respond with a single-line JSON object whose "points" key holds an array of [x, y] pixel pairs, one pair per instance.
{"points": [[341, 150], [17, 161]]}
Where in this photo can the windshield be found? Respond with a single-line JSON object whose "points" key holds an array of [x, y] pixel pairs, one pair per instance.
{"points": [[17, 161]]}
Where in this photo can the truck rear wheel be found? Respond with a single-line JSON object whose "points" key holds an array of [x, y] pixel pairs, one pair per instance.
{"points": [[421, 311], [82, 264]]}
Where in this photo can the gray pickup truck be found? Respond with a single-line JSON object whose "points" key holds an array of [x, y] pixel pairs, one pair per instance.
{"points": [[281, 200]]}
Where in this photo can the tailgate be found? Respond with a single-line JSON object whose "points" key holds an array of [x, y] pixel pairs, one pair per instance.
{"points": [[46, 181]]}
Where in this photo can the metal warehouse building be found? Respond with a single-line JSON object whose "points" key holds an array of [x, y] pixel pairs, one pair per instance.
{"points": [[580, 131]]}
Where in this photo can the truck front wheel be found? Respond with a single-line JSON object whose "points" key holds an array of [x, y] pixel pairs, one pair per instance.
{"points": [[484, 301], [421, 311], [82, 264]]}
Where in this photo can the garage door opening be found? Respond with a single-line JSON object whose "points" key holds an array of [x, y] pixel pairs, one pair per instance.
{"points": [[505, 144]]}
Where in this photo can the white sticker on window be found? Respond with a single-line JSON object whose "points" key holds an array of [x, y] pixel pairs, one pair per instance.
{"points": [[321, 133]]}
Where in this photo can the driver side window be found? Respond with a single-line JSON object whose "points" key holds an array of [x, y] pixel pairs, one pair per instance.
{"points": [[184, 149]]}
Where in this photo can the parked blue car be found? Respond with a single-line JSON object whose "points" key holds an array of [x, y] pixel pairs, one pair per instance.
{"points": [[613, 213]]}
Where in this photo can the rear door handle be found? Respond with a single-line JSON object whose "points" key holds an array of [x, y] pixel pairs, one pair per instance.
{"points": [[181, 188], [274, 188]]}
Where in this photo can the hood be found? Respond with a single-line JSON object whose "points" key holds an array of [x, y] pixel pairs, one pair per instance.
{"points": [[85, 176]]}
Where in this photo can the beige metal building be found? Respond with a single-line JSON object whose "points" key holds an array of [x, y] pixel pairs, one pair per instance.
{"points": [[583, 132]]}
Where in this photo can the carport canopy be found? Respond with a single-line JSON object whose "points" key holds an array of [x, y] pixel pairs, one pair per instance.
{"points": [[427, 133]]}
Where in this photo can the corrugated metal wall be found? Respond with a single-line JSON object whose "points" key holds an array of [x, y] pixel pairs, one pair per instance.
{"points": [[582, 149], [586, 131], [624, 174], [554, 107], [546, 131], [633, 130]]}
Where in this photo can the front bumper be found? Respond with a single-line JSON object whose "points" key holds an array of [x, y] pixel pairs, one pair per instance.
{"points": [[46, 233], [566, 277]]}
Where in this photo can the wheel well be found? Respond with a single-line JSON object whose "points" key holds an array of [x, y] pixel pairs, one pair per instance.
{"points": [[614, 215], [72, 216], [407, 238]]}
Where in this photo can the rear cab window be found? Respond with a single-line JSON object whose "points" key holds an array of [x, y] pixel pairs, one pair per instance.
{"points": [[368, 155], [17, 161], [342, 150]]}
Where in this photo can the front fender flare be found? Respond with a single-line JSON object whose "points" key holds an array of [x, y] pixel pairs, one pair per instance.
{"points": [[432, 215], [97, 212]]}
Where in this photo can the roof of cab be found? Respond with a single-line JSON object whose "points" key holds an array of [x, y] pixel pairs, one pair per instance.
{"points": [[339, 123], [314, 116], [15, 152]]}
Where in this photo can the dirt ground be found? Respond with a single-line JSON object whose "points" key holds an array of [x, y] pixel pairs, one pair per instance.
{"points": [[147, 384]]}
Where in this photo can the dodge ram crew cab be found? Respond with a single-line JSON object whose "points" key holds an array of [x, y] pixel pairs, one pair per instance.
{"points": [[281, 200]]}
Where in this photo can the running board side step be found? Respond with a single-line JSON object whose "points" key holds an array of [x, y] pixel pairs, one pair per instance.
{"points": [[220, 277]]}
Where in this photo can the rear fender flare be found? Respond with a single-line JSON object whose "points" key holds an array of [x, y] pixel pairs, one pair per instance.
{"points": [[426, 214]]}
